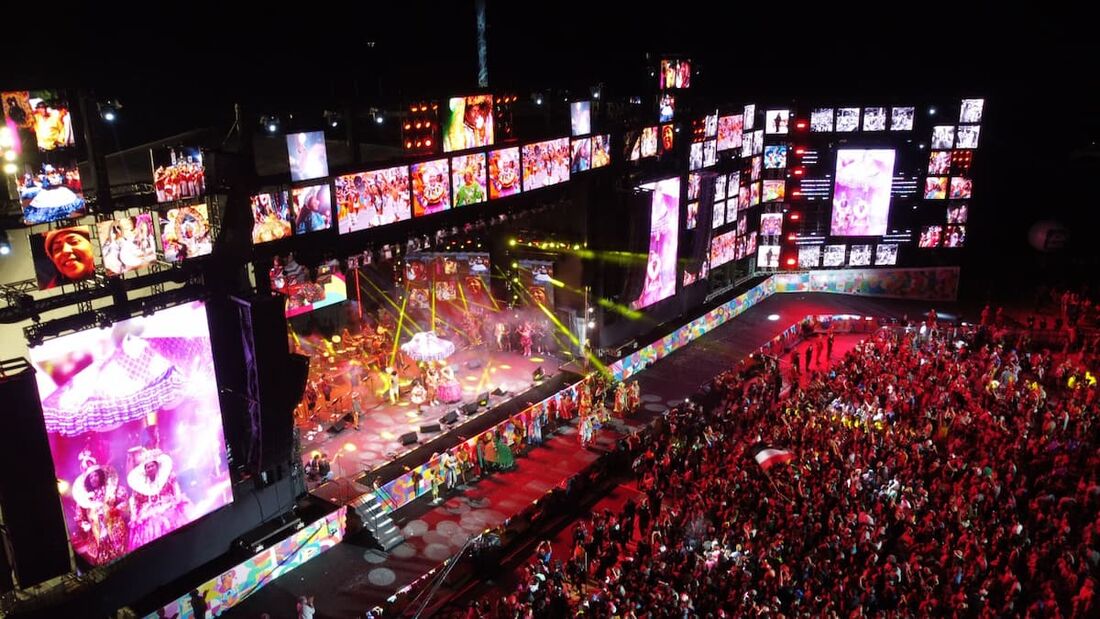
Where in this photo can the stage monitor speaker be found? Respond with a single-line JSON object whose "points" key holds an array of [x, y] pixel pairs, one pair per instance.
{"points": [[473, 364], [483, 399], [430, 428], [409, 438], [469, 408], [34, 537], [449, 418], [538, 374], [499, 391]]}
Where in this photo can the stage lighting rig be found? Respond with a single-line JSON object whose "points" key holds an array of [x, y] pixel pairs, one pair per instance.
{"points": [[108, 110], [333, 119], [5, 243], [270, 123]]}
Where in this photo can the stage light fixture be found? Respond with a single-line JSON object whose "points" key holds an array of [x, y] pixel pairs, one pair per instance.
{"points": [[378, 119], [5, 243], [9, 156], [591, 324], [6, 137], [270, 123], [10, 169], [773, 317], [931, 111], [108, 110]]}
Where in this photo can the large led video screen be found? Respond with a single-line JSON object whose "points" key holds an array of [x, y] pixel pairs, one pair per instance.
{"points": [[809, 256], [648, 143], [776, 121], [966, 136], [874, 119], [469, 179], [722, 249], [861, 193], [504, 172], [185, 233], [847, 119], [62, 256], [730, 129], [135, 429], [312, 208], [859, 256], [272, 218], [970, 111], [431, 187], [821, 120], [468, 123], [675, 74], [901, 118], [886, 254], [666, 105], [547, 163], [308, 155], [664, 224], [580, 155], [833, 256], [768, 257], [178, 173], [51, 191], [580, 118], [372, 199], [127, 243], [40, 120]]}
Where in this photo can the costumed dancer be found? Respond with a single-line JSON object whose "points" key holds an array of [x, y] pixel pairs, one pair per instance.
{"points": [[538, 416], [418, 394], [431, 378], [634, 397], [102, 506], [434, 475], [462, 461], [449, 465], [525, 338], [356, 408], [501, 331], [395, 384], [586, 430], [504, 453], [620, 400], [157, 506]]}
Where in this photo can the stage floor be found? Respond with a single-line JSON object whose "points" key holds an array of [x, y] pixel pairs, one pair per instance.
{"points": [[376, 442]]}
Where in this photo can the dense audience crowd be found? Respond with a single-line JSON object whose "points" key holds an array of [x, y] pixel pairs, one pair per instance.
{"points": [[936, 472]]}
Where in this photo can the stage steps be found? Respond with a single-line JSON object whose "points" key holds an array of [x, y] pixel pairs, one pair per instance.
{"points": [[372, 518]]}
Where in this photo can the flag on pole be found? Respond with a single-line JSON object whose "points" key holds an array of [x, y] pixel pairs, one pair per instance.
{"points": [[767, 457]]}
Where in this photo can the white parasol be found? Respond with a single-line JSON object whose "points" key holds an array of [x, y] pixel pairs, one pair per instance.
{"points": [[426, 346]]}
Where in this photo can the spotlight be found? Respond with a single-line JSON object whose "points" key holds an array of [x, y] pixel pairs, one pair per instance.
{"points": [[6, 138], [108, 110], [333, 119], [591, 324], [10, 169], [9, 155], [378, 119], [5, 243], [773, 317], [931, 111], [270, 123]]}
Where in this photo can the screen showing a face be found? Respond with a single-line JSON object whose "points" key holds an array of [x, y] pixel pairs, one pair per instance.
{"points": [[62, 256], [185, 232], [272, 218], [833, 256], [308, 155], [775, 156], [861, 194], [930, 236], [971, 110], [469, 178], [847, 119], [935, 188], [901, 118], [468, 123], [775, 121], [135, 429], [966, 136], [127, 243], [580, 117], [860, 256], [547, 163], [729, 132], [821, 120], [809, 256], [178, 173], [504, 172], [312, 208], [886, 254], [874, 119], [580, 155], [372, 199], [431, 187], [660, 279], [957, 213], [668, 138], [601, 150], [943, 136]]}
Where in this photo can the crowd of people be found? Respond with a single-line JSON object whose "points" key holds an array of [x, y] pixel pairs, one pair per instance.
{"points": [[936, 471]]}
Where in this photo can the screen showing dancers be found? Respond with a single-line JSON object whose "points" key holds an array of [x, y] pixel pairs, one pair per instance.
{"points": [[874, 119], [51, 191], [861, 194], [127, 243], [431, 187], [956, 213], [371, 199], [722, 249], [308, 155], [272, 218], [970, 111], [886, 254], [960, 188], [730, 130], [859, 256], [771, 224], [468, 179], [304, 292], [939, 162], [943, 136], [40, 119], [809, 256], [504, 172], [135, 429], [775, 157], [185, 233], [774, 191], [692, 215], [667, 107], [62, 256], [821, 120], [312, 207], [966, 136], [935, 188], [833, 256], [695, 156], [718, 216], [547, 163], [847, 119], [648, 146], [601, 150], [468, 123], [580, 118], [901, 118], [664, 221], [674, 74], [954, 236], [930, 236], [768, 257], [581, 155], [178, 173], [749, 117], [710, 153]]}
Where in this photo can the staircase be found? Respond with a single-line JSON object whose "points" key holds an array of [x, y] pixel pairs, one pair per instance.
{"points": [[368, 514]]}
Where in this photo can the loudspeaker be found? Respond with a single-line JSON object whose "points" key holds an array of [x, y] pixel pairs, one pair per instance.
{"points": [[483, 399], [538, 374], [429, 428], [499, 391], [449, 418], [473, 365], [469, 408], [409, 438], [34, 537]]}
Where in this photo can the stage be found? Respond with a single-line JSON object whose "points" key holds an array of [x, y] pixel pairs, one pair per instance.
{"points": [[377, 442]]}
